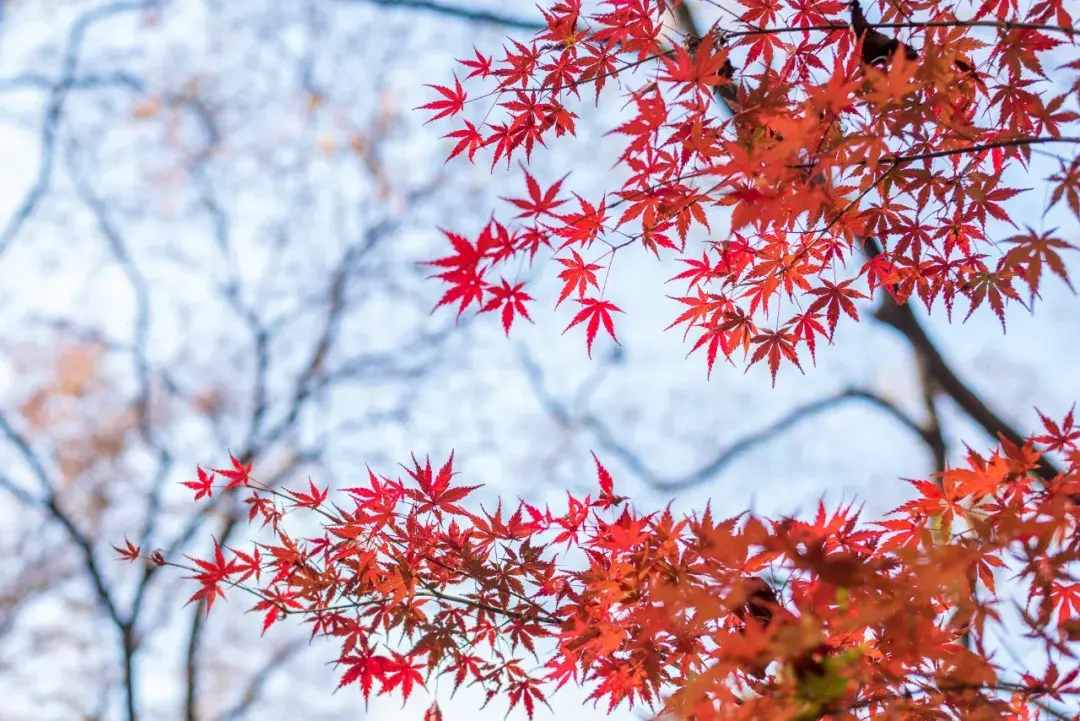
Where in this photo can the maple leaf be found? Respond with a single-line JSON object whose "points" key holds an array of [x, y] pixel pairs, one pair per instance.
{"points": [[1068, 187], [1029, 253], [469, 138], [701, 73], [401, 672], [203, 486], [364, 668], [248, 565], [539, 203], [700, 271], [993, 287], [607, 497], [892, 85], [213, 574], [834, 298], [773, 345], [578, 276], [526, 692], [238, 475], [276, 604], [310, 500], [585, 227], [436, 495], [481, 66], [1058, 436], [511, 300], [466, 255], [453, 101], [595, 311], [466, 287], [130, 552]]}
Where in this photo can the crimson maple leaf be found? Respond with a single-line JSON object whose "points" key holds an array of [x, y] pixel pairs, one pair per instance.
{"points": [[238, 475], [595, 310], [578, 276], [203, 486], [481, 66], [310, 500], [469, 138], [365, 668], [772, 345], [539, 203], [452, 104], [130, 552], [512, 301], [213, 574], [435, 494]]}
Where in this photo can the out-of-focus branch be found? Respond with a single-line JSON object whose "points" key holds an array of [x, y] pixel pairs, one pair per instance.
{"points": [[54, 109], [453, 11], [51, 504], [255, 685], [935, 438], [721, 460]]}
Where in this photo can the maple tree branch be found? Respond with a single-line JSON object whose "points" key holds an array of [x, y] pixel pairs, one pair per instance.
{"points": [[450, 598], [902, 318], [999, 24], [934, 438], [460, 13], [898, 159]]}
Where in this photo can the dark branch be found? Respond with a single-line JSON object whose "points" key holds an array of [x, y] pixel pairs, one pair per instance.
{"points": [[460, 13], [709, 470], [903, 319]]}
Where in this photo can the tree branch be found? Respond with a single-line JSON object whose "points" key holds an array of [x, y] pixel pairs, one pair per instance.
{"points": [[903, 319], [709, 470], [459, 13]]}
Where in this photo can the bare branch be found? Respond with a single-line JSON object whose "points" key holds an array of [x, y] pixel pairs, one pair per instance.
{"points": [[55, 107], [452, 11], [720, 461]]}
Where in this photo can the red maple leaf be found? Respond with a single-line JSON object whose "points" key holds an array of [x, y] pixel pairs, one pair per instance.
{"points": [[539, 202], [213, 574], [238, 475], [203, 486], [595, 311], [436, 495], [130, 552], [512, 301], [453, 101], [578, 276], [773, 345]]}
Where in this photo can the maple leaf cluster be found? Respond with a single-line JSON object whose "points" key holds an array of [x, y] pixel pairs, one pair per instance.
{"points": [[702, 618], [826, 139]]}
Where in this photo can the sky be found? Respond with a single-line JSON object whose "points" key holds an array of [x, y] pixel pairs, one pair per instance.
{"points": [[296, 199]]}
